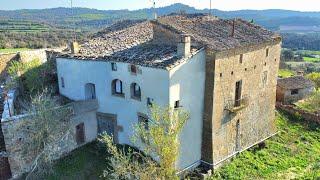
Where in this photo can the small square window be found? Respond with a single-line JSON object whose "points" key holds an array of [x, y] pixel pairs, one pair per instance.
{"points": [[245, 69], [62, 82], [294, 91], [241, 58], [231, 72], [177, 104], [114, 66], [133, 69], [220, 74]]}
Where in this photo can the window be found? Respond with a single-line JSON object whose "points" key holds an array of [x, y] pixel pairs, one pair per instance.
{"points": [[267, 52], [62, 82], [149, 102], [135, 91], [241, 58], [220, 74], [238, 94], [143, 120], [177, 104], [133, 69], [231, 72], [294, 91], [90, 91], [264, 78], [114, 66], [117, 87], [80, 134]]}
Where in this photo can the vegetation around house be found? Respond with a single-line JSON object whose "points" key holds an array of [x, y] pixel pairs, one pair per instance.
{"points": [[158, 137], [293, 153], [312, 103], [13, 50], [315, 77], [284, 73]]}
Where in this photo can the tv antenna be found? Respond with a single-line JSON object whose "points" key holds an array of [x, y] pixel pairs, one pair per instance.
{"points": [[154, 9], [210, 11], [73, 21]]}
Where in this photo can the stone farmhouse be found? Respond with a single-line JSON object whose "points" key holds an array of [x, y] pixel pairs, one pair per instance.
{"points": [[293, 89], [223, 72]]}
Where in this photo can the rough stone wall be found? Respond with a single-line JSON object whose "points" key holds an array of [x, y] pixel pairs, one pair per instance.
{"points": [[162, 35], [289, 98], [308, 116], [26, 56], [5, 59], [256, 121], [20, 162]]}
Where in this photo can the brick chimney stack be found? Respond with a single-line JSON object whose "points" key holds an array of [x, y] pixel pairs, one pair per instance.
{"points": [[75, 48], [184, 46]]}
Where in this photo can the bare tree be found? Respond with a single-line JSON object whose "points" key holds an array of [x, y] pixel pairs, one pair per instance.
{"points": [[158, 137]]}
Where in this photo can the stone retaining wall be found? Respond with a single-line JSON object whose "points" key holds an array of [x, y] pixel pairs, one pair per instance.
{"points": [[15, 136], [308, 116]]}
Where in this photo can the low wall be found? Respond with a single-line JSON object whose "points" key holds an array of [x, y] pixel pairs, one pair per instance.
{"points": [[5, 59], [16, 136], [308, 116]]}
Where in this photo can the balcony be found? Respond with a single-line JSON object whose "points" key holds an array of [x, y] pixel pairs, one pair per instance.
{"points": [[235, 106]]}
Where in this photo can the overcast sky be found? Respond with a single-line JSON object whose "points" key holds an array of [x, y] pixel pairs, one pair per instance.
{"points": [[301, 5]]}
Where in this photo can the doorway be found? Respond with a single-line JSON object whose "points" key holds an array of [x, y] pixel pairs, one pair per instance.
{"points": [[80, 134], [90, 91], [107, 123]]}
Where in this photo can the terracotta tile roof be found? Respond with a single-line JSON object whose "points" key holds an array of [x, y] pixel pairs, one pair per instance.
{"points": [[295, 82], [130, 41]]}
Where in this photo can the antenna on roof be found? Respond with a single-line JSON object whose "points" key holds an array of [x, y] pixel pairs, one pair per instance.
{"points": [[73, 21], [154, 9], [210, 11]]}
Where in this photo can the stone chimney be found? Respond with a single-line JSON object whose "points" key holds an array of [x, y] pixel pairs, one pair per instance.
{"points": [[184, 46], [75, 48]]}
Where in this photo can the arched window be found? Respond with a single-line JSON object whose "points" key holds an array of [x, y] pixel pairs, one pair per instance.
{"points": [[117, 87], [135, 91]]}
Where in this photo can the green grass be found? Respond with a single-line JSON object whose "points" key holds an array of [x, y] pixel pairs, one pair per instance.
{"points": [[311, 104], [284, 73], [311, 59], [87, 162], [292, 154], [13, 50], [309, 52]]}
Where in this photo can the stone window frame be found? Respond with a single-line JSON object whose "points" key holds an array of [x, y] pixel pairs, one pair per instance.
{"points": [[135, 94], [114, 88]]}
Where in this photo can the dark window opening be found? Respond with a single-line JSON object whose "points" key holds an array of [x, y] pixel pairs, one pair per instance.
{"points": [[265, 63], [80, 134], [62, 82], [245, 69], [114, 66], [238, 94], [275, 59], [177, 104], [267, 52], [232, 73], [294, 91], [117, 87], [241, 58], [149, 102], [135, 91], [144, 120], [133, 69], [220, 74], [255, 66]]}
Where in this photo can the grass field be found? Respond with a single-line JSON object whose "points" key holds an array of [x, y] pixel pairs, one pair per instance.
{"points": [[284, 73], [292, 154], [22, 26], [14, 50], [311, 59]]}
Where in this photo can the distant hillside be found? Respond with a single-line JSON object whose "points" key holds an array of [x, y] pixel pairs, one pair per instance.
{"points": [[85, 18]]}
